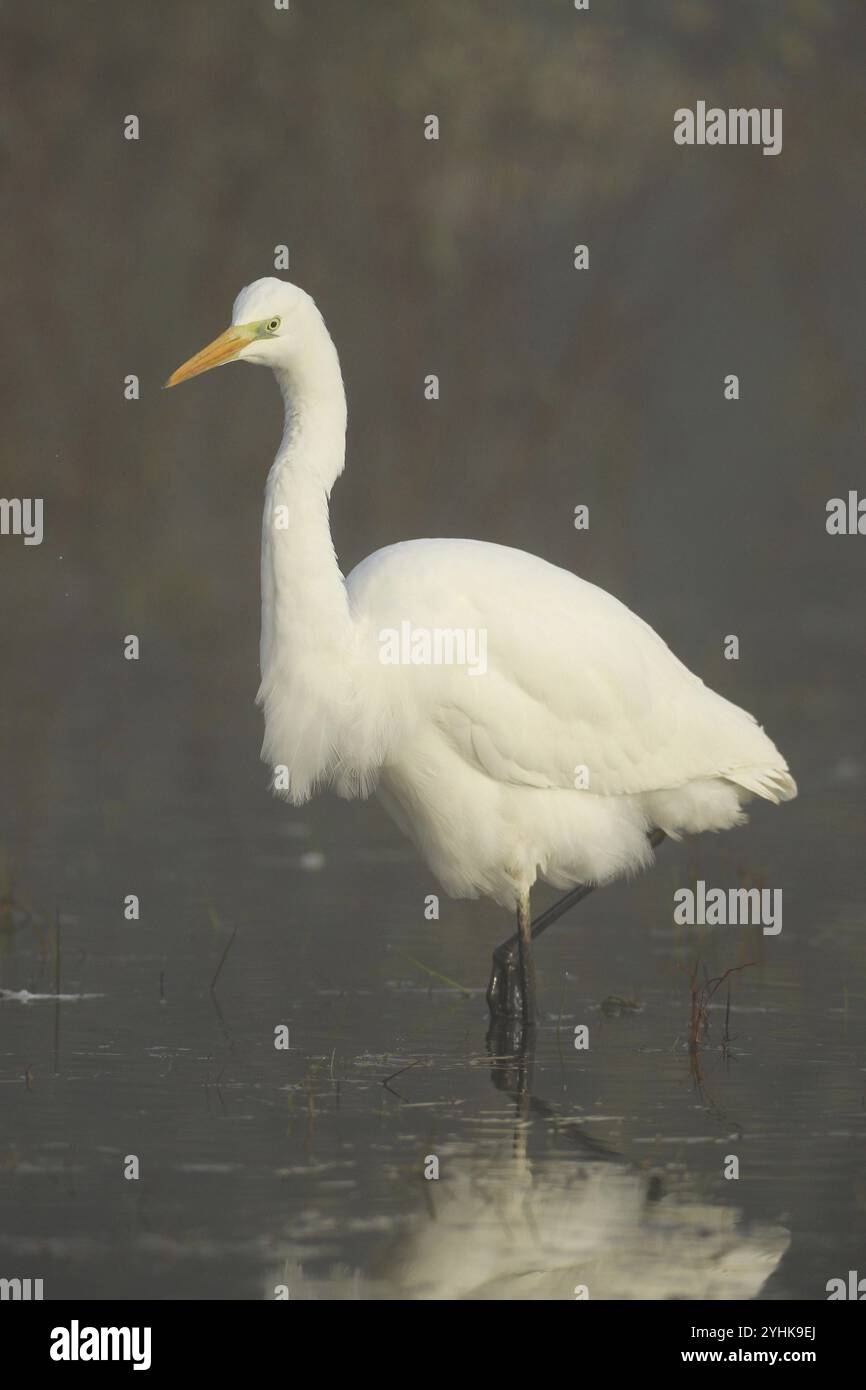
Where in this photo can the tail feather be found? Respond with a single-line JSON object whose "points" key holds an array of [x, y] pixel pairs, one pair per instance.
{"points": [[772, 783]]}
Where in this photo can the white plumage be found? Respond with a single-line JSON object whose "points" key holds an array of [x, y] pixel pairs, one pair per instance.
{"points": [[583, 734], [481, 771]]}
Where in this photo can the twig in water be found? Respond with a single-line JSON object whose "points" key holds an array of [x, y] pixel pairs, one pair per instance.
{"points": [[229, 945], [395, 1074], [57, 991], [446, 979]]}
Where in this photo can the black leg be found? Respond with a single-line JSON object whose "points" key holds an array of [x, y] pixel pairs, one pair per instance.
{"points": [[504, 992], [511, 991]]}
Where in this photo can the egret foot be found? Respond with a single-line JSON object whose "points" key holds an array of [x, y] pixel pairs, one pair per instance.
{"points": [[511, 991], [507, 1041], [511, 1047], [505, 991]]}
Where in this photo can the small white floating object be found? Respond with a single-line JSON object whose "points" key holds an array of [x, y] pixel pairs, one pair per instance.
{"points": [[23, 996], [312, 860]]}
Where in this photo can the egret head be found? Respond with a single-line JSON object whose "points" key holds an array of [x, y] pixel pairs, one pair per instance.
{"points": [[271, 321]]}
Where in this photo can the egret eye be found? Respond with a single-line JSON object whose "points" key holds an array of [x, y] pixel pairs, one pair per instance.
{"points": [[272, 325]]}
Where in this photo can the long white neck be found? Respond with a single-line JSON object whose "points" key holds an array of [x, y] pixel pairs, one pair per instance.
{"points": [[304, 603], [306, 625]]}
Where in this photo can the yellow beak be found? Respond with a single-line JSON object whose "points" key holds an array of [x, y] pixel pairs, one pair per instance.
{"points": [[225, 348]]}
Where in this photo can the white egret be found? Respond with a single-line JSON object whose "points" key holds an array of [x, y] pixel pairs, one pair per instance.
{"points": [[570, 743]]}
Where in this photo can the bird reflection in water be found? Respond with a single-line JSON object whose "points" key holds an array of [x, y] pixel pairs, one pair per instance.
{"points": [[540, 1210]]}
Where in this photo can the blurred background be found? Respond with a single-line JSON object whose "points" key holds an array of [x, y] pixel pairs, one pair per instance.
{"points": [[260, 128]]}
